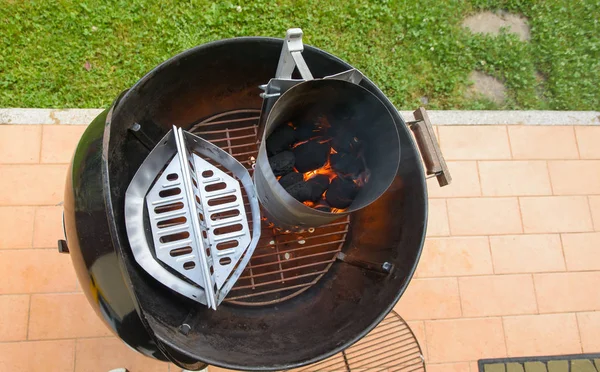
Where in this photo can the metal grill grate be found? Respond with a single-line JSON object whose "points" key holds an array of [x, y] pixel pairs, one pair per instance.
{"points": [[390, 347], [283, 264]]}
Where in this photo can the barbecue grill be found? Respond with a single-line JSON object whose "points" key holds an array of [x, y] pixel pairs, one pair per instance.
{"points": [[288, 298]]}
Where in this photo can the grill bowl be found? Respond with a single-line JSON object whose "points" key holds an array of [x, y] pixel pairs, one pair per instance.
{"points": [[336, 311]]}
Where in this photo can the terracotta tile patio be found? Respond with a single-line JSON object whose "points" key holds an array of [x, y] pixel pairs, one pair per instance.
{"points": [[510, 267]]}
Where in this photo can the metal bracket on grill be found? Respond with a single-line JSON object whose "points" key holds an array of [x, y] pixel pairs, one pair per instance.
{"points": [[290, 58], [198, 222]]}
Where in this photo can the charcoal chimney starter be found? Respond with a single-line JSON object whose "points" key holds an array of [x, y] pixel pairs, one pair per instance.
{"points": [[334, 127], [347, 108]]}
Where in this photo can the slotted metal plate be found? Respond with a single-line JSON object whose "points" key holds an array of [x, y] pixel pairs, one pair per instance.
{"points": [[171, 219], [197, 217]]}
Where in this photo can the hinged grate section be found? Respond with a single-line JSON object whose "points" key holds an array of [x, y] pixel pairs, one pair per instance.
{"points": [[283, 264], [390, 347]]}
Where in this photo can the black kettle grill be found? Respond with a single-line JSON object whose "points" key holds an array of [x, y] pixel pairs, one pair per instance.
{"points": [[304, 295]]}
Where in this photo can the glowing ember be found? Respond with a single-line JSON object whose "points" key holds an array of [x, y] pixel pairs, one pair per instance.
{"points": [[346, 175]]}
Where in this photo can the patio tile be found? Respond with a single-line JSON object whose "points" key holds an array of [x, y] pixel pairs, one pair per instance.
{"points": [[483, 216], [459, 340], [575, 177], [589, 330], [437, 220], [497, 295], [449, 367], [530, 335], [514, 178], [562, 292], [474, 142], [595, 209], [105, 354], [588, 139], [14, 311], [430, 299], [465, 181], [582, 251], [59, 142], [47, 356], [552, 214], [527, 253], [47, 227], [543, 142], [66, 315], [20, 144], [32, 184], [17, 227], [455, 257], [35, 271]]}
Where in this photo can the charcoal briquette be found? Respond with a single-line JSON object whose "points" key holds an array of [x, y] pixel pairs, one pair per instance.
{"points": [[323, 206], [281, 139], [318, 185], [311, 155], [307, 129], [341, 192], [291, 179], [282, 163], [346, 141], [301, 191], [346, 164]]}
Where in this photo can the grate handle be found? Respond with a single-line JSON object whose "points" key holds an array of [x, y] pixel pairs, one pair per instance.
{"points": [[429, 148]]}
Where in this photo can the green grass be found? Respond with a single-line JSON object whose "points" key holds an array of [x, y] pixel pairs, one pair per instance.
{"points": [[409, 48]]}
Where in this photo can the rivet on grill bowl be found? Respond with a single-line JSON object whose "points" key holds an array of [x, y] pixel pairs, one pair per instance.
{"points": [[272, 242], [301, 241], [185, 329], [287, 256], [311, 230]]}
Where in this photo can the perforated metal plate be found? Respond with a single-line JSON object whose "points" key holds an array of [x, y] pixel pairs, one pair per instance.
{"points": [[197, 217]]}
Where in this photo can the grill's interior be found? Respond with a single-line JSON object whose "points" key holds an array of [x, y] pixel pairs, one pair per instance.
{"points": [[284, 264]]}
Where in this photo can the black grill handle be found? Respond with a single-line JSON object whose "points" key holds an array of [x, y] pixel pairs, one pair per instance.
{"points": [[429, 148]]}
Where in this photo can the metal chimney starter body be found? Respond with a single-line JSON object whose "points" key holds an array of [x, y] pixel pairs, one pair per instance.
{"points": [[347, 106]]}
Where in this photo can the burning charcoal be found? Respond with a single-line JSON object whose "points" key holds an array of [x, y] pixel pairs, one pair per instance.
{"points": [[307, 129], [291, 179], [345, 141], [311, 155], [282, 163], [343, 112], [346, 164], [341, 192], [281, 139], [301, 191], [322, 206], [318, 185]]}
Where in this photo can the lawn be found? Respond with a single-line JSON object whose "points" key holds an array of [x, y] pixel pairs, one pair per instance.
{"points": [[83, 53]]}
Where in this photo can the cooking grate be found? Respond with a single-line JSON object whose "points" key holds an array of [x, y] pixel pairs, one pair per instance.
{"points": [[283, 264], [390, 347]]}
